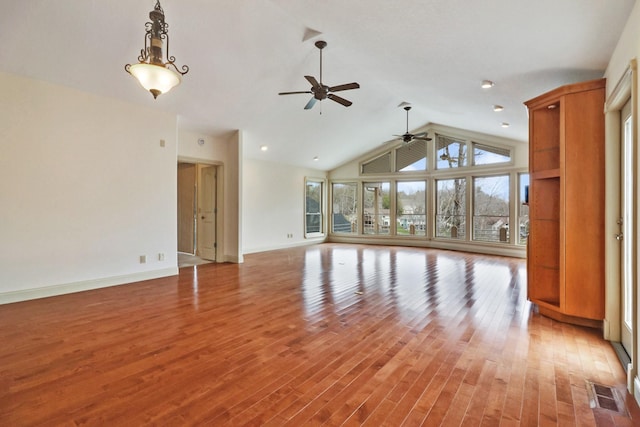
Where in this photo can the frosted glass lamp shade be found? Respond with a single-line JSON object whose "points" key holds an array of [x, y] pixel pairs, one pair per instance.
{"points": [[155, 78]]}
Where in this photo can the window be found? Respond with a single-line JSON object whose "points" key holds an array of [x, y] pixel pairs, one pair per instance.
{"points": [[451, 208], [450, 152], [452, 188], [376, 210], [380, 164], [491, 208], [523, 209], [313, 207], [345, 207], [488, 154], [411, 208], [412, 156]]}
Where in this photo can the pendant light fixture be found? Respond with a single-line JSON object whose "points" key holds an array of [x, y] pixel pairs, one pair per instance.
{"points": [[156, 72]]}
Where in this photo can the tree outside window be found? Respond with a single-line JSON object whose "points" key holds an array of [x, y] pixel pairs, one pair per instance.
{"points": [[376, 209], [345, 207], [411, 208], [313, 207], [450, 152], [523, 209], [451, 208], [491, 208]]}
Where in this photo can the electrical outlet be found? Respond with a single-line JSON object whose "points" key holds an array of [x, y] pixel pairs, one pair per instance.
{"points": [[143, 259], [160, 256]]}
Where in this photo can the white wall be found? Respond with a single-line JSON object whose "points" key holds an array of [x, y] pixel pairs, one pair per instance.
{"points": [[86, 189], [273, 205], [213, 150]]}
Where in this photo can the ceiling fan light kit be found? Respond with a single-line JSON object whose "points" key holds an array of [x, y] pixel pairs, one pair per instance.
{"points": [[154, 71], [408, 137], [321, 91]]}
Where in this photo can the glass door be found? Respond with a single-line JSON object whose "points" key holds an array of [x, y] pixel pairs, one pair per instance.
{"points": [[627, 223]]}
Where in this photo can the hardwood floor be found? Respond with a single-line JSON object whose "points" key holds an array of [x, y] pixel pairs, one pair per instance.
{"points": [[321, 335]]}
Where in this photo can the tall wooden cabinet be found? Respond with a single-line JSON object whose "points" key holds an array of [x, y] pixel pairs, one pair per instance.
{"points": [[565, 259]]}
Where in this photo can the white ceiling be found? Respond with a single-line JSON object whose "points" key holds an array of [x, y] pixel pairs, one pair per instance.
{"points": [[241, 53]]}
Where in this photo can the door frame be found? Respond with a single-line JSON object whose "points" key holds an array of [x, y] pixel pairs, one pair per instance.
{"points": [[219, 200], [202, 217], [625, 89]]}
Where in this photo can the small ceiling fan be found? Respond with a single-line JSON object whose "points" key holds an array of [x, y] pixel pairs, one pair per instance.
{"points": [[321, 91], [408, 137]]}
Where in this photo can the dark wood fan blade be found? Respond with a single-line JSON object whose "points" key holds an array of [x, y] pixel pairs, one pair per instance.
{"points": [[311, 103], [294, 93], [313, 81], [421, 134], [422, 138], [339, 100], [344, 87]]}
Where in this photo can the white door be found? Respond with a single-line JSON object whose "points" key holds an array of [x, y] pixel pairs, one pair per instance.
{"points": [[627, 225], [207, 213]]}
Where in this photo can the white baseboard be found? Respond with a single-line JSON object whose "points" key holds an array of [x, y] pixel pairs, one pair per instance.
{"points": [[636, 389], [234, 259], [306, 242], [86, 285], [475, 247]]}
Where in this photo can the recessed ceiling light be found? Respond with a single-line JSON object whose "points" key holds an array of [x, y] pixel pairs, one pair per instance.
{"points": [[315, 159], [505, 125], [497, 108], [264, 147], [486, 84]]}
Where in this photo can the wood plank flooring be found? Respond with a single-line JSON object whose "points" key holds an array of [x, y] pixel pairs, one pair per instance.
{"points": [[328, 334]]}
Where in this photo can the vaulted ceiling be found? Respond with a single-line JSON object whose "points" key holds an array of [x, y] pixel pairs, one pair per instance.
{"points": [[432, 54]]}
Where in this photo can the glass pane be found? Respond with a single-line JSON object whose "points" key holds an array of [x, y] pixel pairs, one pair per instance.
{"points": [[411, 208], [345, 208], [628, 196], [451, 153], [491, 209], [451, 208], [487, 154], [313, 206], [523, 211], [376, 213], [412, 157], [380, 164]]}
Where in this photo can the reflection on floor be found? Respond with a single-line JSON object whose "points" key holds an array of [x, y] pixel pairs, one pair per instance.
{"points": [[189, 260]]}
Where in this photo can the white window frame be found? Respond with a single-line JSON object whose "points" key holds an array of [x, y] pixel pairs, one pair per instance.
{"points": [[323, 203]]}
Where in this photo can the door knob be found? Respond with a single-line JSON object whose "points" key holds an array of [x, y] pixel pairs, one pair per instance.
{"points": [[619, 236]]}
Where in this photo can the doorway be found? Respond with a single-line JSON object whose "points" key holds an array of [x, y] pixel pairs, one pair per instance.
{"points": [[197, 210], [187, 208]]}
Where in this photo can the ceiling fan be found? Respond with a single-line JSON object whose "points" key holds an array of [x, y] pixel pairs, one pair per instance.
{"points": [[321, 91], [408, 137]]}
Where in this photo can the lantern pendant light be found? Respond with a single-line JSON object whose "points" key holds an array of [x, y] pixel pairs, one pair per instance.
{"points": [[156, 72]]}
